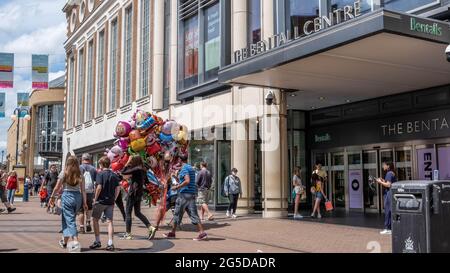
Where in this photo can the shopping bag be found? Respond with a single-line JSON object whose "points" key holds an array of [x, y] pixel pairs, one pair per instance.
{"points": [[328, 205]]}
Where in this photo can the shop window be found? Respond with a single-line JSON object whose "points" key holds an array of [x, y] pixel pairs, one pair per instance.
{"points": [[409, 5], [202, 49], [298, 12], [254, 7]]}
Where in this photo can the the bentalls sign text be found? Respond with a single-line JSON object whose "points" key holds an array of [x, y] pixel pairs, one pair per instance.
{"points": [[415, 127], [309, 27]]}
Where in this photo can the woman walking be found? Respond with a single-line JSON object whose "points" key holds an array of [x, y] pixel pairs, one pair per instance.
{"points": [[137, 175], [387, 182], [232, 189], [73, 197], [318, 193], [11, 186], [298, 189]]}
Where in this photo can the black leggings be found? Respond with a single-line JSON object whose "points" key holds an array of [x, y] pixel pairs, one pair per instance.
{"points": [[134, 202], [233, 202], [119, 203]]}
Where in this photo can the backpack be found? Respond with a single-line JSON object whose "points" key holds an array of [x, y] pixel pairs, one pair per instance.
{"points": [[88, 183]]}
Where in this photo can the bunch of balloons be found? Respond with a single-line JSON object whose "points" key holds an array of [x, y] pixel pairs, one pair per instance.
{"points": [[159, 143]]}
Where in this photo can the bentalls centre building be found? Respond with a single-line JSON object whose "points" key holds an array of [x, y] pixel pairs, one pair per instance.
{"points": [[267, 85]]}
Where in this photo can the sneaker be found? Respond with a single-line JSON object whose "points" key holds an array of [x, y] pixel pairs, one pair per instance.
{"points": [[234, 216], [74, 247], [88, 228], [95, 245], [62, 244], [2, 210], [10, 210], [228, 213], [127, 236], [312, 215], [386, 232], [319, 216], [151, 233], [110, 248], [170, 235], [201, 237], [82, 231], [298, 216]]}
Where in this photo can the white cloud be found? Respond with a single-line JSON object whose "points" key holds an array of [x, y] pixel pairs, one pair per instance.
{"points": [[56, 75], [30, 27]]}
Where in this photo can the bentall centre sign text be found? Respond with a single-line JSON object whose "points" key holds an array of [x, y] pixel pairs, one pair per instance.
{"points": [[309, 27]]}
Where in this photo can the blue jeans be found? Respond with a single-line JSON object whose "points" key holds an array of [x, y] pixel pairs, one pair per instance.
{"points": [[186, 202], [11, 194], [388, 210], [25, 194], [71, 204]]}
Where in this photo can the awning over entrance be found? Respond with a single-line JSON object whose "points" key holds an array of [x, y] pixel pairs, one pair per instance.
{"points": [[374, 55]]}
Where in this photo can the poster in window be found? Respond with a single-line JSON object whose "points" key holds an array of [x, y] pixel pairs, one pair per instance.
{"points": [[355, 189], [6, 70], [444, 163], [426, 160], [212, 38], [2, 105], [191, 48], [39, 75]]}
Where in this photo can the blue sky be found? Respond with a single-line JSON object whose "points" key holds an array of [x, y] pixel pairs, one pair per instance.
{"points": [[30, 27]]}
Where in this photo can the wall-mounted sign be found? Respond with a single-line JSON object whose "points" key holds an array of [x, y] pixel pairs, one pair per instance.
{"points": [[432, 29], [411, 127], [322, 138], [6, 70], [39, 73], [309, 27]]}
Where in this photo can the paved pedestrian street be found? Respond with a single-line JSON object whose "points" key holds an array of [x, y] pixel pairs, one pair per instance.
{"points": [[31, 229]]}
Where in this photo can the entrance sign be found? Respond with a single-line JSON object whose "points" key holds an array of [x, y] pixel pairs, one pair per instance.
{"points": [[426, 160], [355, 189], [444, 163], [432, 29], [335, 17]]}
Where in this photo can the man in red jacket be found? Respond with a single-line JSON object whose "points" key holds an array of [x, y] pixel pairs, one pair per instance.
{"points": [[3, 198]]}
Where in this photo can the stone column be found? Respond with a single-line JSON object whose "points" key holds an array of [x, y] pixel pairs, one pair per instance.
{"points": [[173, 52], [275, 159], [268, 18], [241, 158], [158, 55]]}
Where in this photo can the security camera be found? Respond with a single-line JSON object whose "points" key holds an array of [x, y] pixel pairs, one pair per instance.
{"points": [[447, 53], [270, 97]]}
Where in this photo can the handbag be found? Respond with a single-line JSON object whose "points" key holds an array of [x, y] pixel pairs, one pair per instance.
{"points": [[303, 196], [293, 194], [329, 205]]}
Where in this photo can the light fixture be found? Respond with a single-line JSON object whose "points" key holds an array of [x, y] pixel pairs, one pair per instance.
{"points": [[43, 133], [312, 107], [321, 98], [293, 95], [348, 101], [53, 133]]}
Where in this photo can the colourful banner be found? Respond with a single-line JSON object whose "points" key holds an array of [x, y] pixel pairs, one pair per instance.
{"points": [[39, 75], [426, 160], [2, 105], [6, 70], [23, 99]]}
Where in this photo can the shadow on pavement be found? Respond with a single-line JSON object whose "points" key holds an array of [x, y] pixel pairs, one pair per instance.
{"points": [[8, 250]]}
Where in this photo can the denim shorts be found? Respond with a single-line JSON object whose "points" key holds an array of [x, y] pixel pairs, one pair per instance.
{"points": [[319, 195]]}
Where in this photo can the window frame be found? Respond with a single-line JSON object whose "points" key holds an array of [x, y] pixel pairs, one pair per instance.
{"points": [[204, 87], [167, 52], [101, 72], [421, 8], [81, 86], [90, 84], [128, 25], [114, 58], [71, 93], [145, 49]]}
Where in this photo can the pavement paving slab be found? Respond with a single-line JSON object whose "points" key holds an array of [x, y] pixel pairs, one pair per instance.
{"points": [[31, 230]]}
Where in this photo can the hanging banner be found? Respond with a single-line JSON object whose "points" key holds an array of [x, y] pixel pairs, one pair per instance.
{"points": [[39, 75], [2, 105], [6, 70], [356, 189], [426, 160], [23, 99]]}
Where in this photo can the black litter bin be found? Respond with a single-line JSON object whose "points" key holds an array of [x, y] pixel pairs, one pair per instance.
{"points": [[421, 217]]}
